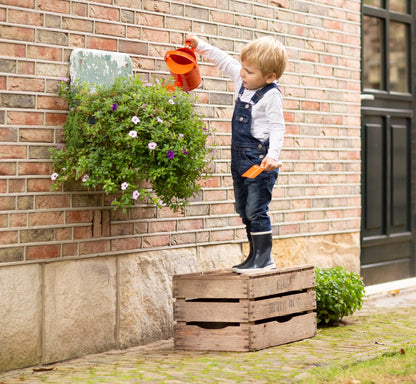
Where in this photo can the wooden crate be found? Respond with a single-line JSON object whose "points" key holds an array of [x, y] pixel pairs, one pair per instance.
{"points": [[226, 311]]}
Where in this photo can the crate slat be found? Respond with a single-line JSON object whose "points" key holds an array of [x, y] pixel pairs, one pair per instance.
{"points": [[225, 311]]}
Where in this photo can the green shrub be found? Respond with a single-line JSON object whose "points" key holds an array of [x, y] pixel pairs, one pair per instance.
{"points": [[133, 140], [339, 293]]}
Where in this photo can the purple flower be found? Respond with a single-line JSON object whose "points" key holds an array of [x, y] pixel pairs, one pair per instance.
{"points": [[180, 135], [124, 186], [114, 107], [184, 151], [152, 145], [54, 176], [135, 195], [149, 85], [135, 120], [170, 154], [133, 134], [159, 120]]}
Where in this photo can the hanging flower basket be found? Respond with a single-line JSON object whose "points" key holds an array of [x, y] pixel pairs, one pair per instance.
{"points": [[129, 136]]}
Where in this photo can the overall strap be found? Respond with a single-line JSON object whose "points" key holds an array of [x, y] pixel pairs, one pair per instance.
{"points": [[261, 92]]}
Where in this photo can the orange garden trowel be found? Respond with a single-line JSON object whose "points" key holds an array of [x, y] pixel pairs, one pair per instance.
{"points": [[255, 170]]}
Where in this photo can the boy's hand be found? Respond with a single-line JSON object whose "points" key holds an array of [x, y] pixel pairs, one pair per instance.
{"points": [[192, 40], [269, 164]]}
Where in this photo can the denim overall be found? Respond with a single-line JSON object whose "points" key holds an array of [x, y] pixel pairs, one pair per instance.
{"points": [[252, 196]]}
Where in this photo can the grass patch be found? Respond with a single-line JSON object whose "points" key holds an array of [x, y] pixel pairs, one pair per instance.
{"points": [[393, 367]]}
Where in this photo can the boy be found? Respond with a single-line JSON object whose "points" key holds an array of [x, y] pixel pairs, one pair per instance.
{"points": [[257, 137]]}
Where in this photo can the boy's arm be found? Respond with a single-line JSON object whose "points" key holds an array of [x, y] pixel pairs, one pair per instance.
{"points": [[276, 123], [230, 66]]}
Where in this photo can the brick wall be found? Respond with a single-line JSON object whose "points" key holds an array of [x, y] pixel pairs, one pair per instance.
{"points": [[318, 191]]}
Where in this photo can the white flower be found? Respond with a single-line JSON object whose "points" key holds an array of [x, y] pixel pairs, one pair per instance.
{"points": [[152, 145], [135, 195], [135, 120], [54, 176], [133, 134], [171, 101], [124, 186], [85, 178], [180, 135]]}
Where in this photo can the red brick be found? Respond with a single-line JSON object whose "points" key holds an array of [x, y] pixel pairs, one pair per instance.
{"points": [[46, 218], [183, 238], [57, 6], [8, 135], [79, 9], [36, 135], [84, 232], [110, 29], [17, 33], [70, 249], [190, 224], [101, 43], [44, 53], [26, 68], [224, 235], [8, 237], [55, 119], [52, 201], [42, 252], [79, 25], [34, 168], [26, 84], [63, 234], [17, 185], [91, 247], [24, 118], [20, 3], [122, 229], [12, 50], [99, 12], [18, 220], [79, 217], [7, 169], [51, 102], [131, 243], [25, 18], [39, 185], [13, 152], [155, 241], [162, 226]]}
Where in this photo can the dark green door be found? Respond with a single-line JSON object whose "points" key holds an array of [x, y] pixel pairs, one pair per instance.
{"points": [[388, 140]]}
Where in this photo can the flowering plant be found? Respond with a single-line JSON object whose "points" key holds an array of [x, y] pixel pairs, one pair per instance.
{"points": [[135, 140]]}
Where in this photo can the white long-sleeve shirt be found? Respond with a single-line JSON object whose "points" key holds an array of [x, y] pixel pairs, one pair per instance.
{"points": [[267, 115]]}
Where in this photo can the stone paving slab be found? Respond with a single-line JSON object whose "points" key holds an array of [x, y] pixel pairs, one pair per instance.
{"points": [[385, 322]]}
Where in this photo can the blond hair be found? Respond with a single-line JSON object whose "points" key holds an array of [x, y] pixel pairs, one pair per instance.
{"points": [[268, 54]]}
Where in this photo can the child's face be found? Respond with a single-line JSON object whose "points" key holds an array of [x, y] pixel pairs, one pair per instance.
{"points": [[253, 78]]}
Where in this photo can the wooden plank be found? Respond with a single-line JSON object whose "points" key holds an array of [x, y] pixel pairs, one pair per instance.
{"points": [[274, 333], [273, 284], [281, 306], [227, 286], [236, 312], [192, 337]]}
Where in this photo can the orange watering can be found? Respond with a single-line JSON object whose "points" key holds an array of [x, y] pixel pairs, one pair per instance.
{"points": [[183, 66]]}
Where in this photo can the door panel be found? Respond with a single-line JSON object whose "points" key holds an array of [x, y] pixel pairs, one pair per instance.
{"points": [[388, 131]]}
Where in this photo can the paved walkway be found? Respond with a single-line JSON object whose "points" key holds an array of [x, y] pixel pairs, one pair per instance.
{"points": [[387, 321]]}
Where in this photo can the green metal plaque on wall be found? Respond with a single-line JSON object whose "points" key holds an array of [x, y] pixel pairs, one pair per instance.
{"points": [[98, 67]]}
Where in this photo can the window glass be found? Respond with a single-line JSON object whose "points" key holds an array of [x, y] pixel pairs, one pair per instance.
{"points": [[399, 58], [373, 3], [398, 6], [372, 53]]}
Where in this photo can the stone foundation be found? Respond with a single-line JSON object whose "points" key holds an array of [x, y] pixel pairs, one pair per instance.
{"points": [[61, 310]]}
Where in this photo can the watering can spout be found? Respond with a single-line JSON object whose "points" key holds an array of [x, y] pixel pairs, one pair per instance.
{"points": [[183, 66]]}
